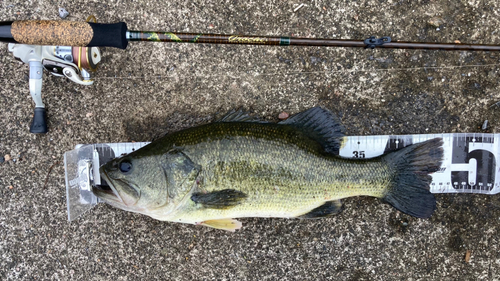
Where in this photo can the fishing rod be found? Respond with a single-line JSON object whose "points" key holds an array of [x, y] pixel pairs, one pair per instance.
{"points": [[88, 34], [70, 48]]}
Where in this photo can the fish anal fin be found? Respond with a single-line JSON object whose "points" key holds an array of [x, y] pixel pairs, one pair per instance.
{"points": [[320, 125], [221, 199], [328, 209], [224, 224]]}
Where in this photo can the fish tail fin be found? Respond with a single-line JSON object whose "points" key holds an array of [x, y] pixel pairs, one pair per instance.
{"points": [[409, 192]]}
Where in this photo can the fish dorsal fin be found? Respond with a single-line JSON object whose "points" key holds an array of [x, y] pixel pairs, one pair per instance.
{"points": [[328, 209], [320, 125], [221, 199], [225, 224], [239, 116]]}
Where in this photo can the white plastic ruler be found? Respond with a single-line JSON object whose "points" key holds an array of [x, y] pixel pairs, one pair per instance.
{"points": [[470, 163]]}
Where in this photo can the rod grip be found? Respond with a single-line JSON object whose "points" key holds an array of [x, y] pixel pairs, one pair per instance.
{"points": [[109, 35], [68, 33]]}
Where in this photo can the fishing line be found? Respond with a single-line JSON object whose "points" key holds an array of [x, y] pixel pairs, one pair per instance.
{"points": [[307, 72]]}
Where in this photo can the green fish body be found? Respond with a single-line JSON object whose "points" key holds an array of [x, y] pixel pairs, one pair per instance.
{"points": [[240, 167]]}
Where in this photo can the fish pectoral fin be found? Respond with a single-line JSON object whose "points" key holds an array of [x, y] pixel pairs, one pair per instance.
{"points": [[320, 125], [330, 208], [225, 224], [221, 199]]}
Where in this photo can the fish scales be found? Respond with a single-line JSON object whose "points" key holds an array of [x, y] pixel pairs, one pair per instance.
{"points": [[282, 172]]}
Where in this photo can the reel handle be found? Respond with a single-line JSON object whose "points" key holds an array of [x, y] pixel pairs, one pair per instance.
{"points": [[39, 123], [64, 33]]}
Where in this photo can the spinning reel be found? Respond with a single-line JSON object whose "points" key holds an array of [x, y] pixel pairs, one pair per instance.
{"points": [[74, 63]]}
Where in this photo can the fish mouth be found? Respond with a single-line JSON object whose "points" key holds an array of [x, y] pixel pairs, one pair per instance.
{"points": [[106, 190], [103, 188]]}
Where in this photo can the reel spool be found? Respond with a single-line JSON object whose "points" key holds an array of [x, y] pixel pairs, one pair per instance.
{"points": [[84, 62]]}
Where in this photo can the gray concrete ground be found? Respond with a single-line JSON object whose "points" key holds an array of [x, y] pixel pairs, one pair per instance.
{"points": [[152, 88]]}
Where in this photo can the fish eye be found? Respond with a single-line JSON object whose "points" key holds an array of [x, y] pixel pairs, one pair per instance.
{"points": [[125, 166]]}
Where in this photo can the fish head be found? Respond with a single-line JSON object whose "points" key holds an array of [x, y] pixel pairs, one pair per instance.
{"points": [[135, 184]]}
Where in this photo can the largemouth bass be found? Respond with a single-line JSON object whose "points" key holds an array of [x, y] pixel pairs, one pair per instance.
{"points": [[241, 167]]}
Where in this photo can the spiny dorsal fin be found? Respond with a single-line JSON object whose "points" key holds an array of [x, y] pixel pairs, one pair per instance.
{"points": [[225, 224], [221, 199], [328, 209], [239, 116], [321, 125]]}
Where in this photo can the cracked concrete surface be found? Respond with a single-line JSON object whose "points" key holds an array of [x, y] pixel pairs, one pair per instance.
{"points": [[152, 88]]}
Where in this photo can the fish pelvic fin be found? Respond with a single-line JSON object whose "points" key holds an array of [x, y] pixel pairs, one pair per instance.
{"points": [[329, 208], [224, 224], [412, 165], [320, 125], [221, 199]]}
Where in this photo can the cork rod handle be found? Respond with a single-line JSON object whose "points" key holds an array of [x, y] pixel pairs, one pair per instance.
{"points": [[64, 33]]}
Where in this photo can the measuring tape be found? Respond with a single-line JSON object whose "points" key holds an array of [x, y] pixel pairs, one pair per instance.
{"points": [[470, 163]]}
